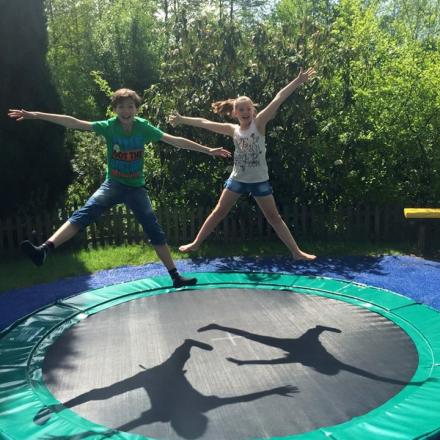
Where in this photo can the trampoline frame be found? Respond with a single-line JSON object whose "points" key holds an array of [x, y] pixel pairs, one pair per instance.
{"points": [[413, 413]]}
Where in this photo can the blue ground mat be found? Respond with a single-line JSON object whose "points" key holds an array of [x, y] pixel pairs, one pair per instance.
{"points": [[413, 277]]}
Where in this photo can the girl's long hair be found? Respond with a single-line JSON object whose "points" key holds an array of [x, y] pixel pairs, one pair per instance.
{"points": [[225, 108]]}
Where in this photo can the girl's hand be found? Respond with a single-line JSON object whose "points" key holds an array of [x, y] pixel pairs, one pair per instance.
{"points": [[305, 76], [19, 115], [220, 152], [175, 118]]}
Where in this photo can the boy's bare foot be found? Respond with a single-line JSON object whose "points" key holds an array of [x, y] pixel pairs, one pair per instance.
{"points": [[190, 247], [303, 256]]}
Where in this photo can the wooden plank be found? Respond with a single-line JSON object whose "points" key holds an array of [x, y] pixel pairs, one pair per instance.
{"points": [[39, 236], [421, 212], [377, 222], [9, 234], [29, 227], [47, 225], [183, 220], [303, 215], [139, 231], [175, 222], [233, 229], [101, 227], [93, 236], [19, 230], [110, 228], [386, 222], [260, 228], [2, 237], [129, 227], [421, 237], [241, 223], [119, 225], [166, 223], [367, 222]]}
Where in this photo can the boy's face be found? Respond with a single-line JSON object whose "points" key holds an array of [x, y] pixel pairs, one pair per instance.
{"points": [[126, 110]]}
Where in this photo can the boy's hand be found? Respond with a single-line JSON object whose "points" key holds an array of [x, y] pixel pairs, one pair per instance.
{"points": [[175, 118], [305, 76], [220, 152], [19, 115]]}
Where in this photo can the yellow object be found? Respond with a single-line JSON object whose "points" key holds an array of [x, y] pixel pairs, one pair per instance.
{"points": [[421, 212]]}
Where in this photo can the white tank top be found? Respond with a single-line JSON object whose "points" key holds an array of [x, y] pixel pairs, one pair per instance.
{"points": [[249, 156]]}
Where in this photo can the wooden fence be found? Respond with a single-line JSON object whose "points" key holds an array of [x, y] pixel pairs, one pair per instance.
{"points": [[246, 222]]}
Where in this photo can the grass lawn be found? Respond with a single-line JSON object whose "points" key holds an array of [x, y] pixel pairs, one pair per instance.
{"points": [[19, 272]]}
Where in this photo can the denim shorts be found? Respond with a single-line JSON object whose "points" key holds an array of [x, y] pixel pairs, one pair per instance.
{"points": [[257, 189], [112, 193]]}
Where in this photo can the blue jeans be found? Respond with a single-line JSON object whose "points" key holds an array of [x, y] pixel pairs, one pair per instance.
{"points": [[112, 193], [258, 189]]}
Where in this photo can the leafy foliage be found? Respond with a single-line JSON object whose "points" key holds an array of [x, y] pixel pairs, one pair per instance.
{"points": [[89, 166], [366, 130], [35, 166], [118, 38]]}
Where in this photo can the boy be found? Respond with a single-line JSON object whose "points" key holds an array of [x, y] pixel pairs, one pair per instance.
{"points": [[125, 134]]}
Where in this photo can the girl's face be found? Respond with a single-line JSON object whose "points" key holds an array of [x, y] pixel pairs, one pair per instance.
{"points": [[244, 111], [126, 111]]}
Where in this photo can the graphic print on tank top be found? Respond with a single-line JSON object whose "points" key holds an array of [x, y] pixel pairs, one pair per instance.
{"points": [[248, 153]]}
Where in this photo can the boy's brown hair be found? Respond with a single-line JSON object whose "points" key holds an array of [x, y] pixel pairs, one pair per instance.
{"points": [[123, 94]]}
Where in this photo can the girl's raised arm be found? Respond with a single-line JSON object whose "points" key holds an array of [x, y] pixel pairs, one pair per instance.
{"points": [[217, 127], [64, 120], [268, 113]]}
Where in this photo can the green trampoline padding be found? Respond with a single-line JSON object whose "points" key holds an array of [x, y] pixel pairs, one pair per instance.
{"points": [[414, 413]]}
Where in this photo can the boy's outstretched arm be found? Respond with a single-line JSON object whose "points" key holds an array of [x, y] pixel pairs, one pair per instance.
{"points": [[217, 127], [268, 113], [180, 142], [64, 120]]}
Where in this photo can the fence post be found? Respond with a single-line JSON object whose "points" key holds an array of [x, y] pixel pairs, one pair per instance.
{"points": [[2, 230], [9, 233], [377, 221]]}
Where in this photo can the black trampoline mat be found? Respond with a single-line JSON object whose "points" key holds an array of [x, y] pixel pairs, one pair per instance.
{"points": [[282, 363]]}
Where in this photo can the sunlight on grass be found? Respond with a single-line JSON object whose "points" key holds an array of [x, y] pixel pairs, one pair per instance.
{"points": [[114, 256], [18, 272]]}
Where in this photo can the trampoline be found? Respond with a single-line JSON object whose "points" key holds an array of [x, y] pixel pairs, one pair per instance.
{"points": [[239, 356]]}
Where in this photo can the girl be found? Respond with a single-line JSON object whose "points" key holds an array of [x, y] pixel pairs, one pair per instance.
{"points": [[249, 174], [126, 136]]}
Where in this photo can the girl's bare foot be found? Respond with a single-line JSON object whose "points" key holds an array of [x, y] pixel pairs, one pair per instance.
{"points": [[190, 247], [300, 255]]}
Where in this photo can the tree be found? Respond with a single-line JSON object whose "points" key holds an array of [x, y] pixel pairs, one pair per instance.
{"points": [[35, 166], [374, 105], [118, 38]]}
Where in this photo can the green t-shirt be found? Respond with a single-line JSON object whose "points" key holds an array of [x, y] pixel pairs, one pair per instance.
{"points": [[125, 151]]}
